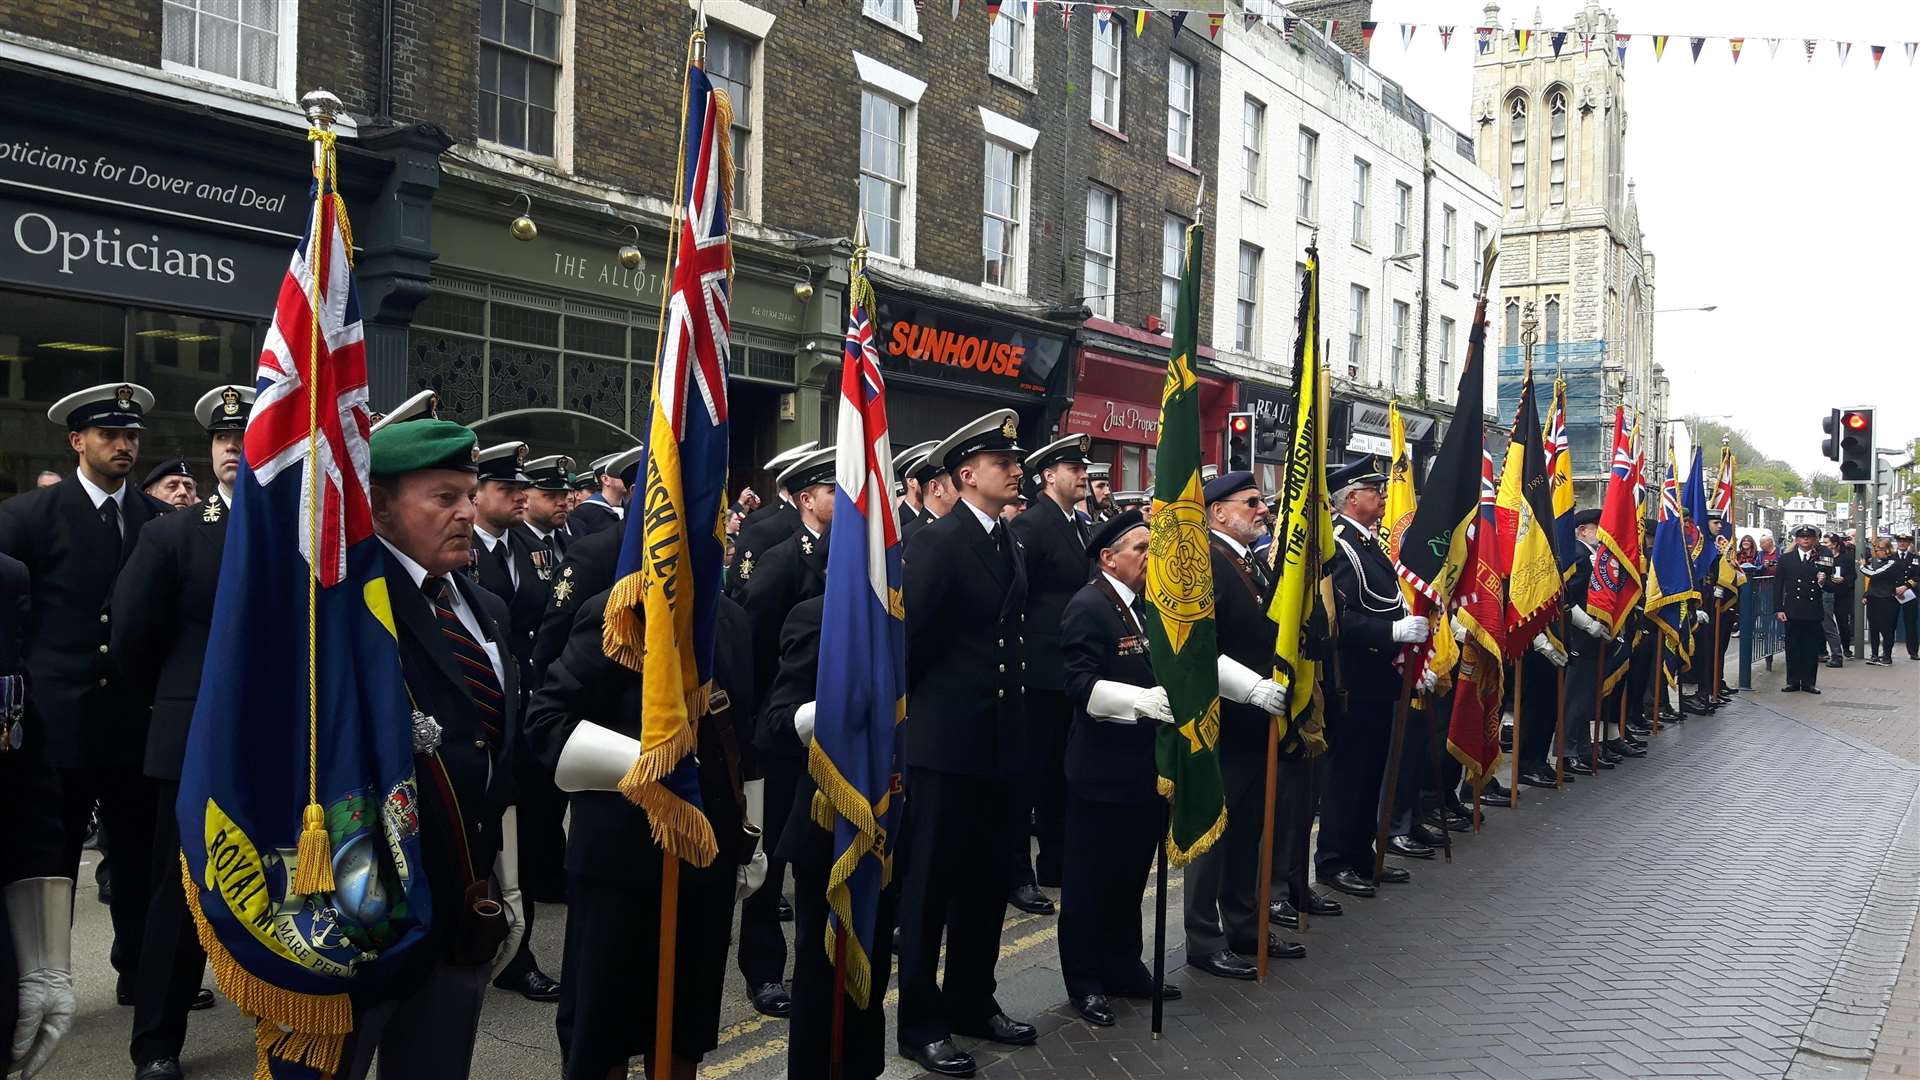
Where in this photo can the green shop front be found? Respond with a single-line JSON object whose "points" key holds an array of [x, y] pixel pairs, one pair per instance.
{"points": [[552, 340]]}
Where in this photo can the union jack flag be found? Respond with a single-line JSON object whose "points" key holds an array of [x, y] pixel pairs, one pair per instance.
{"points": [[278, 432], [694, 352]]}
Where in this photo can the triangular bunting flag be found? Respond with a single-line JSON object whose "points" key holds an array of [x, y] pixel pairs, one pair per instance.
{"points": [[1520, 39], [1694, 44], [919, 6], [1659, 46], [1252, 15], [1446, 39], [1810, 43], [1912, 47], [1586, 43], [1845, 47], [1214, 19], [1773, 48], [956, 10], [1066, 15], [1330, 27], [1287, 25], [1620, 47], [1102, 17], [1366, 33], [1483, 38], [1734, 44], [1878, 52], [1559, 41], [1179, 20], [1406, 35], [1139, 22]]}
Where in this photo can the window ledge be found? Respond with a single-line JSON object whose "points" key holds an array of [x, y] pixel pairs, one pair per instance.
{"points": [[898, 28], [1018, 84], [1182, 165], [1104, 129], [1364, 245], [548, 162], [1257, 200], [1306, 222], [1449, 283]]}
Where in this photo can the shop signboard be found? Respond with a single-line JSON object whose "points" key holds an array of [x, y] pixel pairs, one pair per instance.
{"points": [[937, 343]]}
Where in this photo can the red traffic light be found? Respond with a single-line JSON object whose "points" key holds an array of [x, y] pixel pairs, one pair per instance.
{"points": [[1855, 421], [1241, 422]]}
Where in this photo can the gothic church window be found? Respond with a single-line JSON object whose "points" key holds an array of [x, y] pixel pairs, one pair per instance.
{"points": [[1517, 152]]}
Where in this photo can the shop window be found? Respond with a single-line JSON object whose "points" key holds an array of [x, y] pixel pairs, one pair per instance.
{"points": [[51, 347], [454, 366], [180, 357], [730, 58], [520, 69], [245, 43], [521, 378]]}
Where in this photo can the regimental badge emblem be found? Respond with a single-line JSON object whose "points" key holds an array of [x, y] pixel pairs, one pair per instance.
{"points": [[1179, 570], [474, 451], [520, 455], [123, 397], [1086, 443], [806, 544], [1009, 428], [212, 512], [230, 401], [746, 566], [433, 406], [561, 591]]}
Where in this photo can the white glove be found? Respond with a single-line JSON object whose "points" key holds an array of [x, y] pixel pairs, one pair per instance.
{"points": [[1459, 632], [1269, 697], [748, 879], [1719, 592], [1153, 705], [1589, 625], [803, 723], [1543, 645], [506, 871], [39, 914], [1700, 617], [1428, 680], [1412, 630]]}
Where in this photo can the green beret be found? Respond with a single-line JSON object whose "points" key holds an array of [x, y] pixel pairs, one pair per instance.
{"points": [[422, 444]]}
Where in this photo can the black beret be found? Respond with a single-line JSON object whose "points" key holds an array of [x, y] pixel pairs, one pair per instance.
{"points": [[1229, 484], [170, 467], [1108, 533], [1586, 517]]}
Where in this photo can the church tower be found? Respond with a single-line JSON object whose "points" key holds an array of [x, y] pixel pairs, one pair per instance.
{"points": [[1550, 126]]}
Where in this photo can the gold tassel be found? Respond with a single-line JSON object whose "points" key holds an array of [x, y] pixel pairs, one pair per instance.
{"points": [[313, 873]]}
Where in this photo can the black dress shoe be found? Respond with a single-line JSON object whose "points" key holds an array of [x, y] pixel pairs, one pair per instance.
{"points": [[1171, 992], [1667, 716], [1809, 689], [1578, 767], [1627, 749], [165, 1068], [1394, 875], [1348, 882], [1281, 913], [1608, 759], [1408, 848], [531, 984], [1279, 948], [941, 1058], [1450, 820], [1790, 688], [1225, 964], [1004, 1030], [1534, 778], [1639, 731], [1321, 905], [202, 1000], [1030, 899], [771, 999], [785, 910], [1095, 1009], [1490, 798], [1493, 787], [1836, 662], [1430, 835]]}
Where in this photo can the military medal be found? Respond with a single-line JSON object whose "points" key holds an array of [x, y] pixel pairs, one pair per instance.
{"points": [[561, 591], [542, 563]]}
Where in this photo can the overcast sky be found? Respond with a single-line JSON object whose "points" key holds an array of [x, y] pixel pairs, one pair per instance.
{"points": [[1782, 191]]}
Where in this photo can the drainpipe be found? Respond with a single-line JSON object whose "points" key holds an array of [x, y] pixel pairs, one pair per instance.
{"points": [[1426, 263], [383, 107]]}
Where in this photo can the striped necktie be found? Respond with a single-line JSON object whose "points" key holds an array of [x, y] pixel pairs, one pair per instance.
{"points": [[476, 667]]}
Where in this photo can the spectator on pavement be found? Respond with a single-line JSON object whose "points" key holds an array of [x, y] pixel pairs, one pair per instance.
{"points": [[1881, 603]]}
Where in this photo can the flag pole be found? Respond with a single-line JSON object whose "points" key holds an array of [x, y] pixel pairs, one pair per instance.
{"points": [[1409, 674], [1437, 743], [1266, 837], [1659, 676], [837, 1047], [1519, 712], [1560, 709], [1599, 703], [1160, 945]]}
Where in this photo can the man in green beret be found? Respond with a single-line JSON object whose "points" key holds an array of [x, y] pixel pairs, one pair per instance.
{"points": [[465, 689]]}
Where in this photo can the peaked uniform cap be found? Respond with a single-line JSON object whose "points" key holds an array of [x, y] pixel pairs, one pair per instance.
{"points": [[997, 431], [424, 405], [109, 405], [224, 408], [814, 467], [904, 461], [503, 463], [625, 464], [778, 462], [550, 473], [1071, 450]]}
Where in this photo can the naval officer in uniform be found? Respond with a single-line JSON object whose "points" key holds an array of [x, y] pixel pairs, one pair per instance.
{"points": [[966, 749], [1801, 605]]}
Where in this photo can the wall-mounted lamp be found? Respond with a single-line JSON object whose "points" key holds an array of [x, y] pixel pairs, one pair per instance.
{"points": [[523, 227], [630, 256], [803, 290]]}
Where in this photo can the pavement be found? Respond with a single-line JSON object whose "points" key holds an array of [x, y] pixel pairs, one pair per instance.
{"points": [[1740, 903]]}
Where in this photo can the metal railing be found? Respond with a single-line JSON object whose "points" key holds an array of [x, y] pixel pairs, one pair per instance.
{"points": [[1761, 635]]}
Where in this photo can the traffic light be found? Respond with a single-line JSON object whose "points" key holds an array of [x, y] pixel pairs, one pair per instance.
{"points": [[1856, 446], [1830, 446], [1239, 441]]}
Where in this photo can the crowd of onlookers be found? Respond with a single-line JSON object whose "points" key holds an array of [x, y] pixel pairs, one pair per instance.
{"points": [[1889, 572]]}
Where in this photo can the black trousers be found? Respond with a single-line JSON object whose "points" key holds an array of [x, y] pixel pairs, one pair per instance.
{"points": [[1539, 707], [1349, 811], [1221, 884], [125, 796], [1110, 848], [1843, 615], [1416, 770], [763, 941], [1642, 678], [1910, 627], [1043, 795], [427, 1035], [171, 959], [1806, 646], [810, 1030], [1296, 800], [540, 816], [1880, 616], [956, 877]]}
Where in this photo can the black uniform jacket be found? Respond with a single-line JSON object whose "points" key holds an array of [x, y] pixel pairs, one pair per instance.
{"points": [[163, 612], [478, 763], [795, 684], [78, 704], [1107, 760], [912, 526], [1367, 595], [590, 517], [609, 837], [1241, 593], [792, 570], [588, 569], [1056, 569], [965, 606], [1798, 583], [525, 603], [1573, 594], [1841, 582], [760, 530]]}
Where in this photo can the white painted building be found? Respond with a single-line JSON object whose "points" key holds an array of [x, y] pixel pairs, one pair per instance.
{"points": [[1312, 138], [1803, 510]]}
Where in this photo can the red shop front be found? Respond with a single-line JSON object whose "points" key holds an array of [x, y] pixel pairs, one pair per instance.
{"points": [[1117, 401]]}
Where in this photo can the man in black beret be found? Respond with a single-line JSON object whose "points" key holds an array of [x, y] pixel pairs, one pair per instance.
{"points": [[164, 600], [1115, 816], [1588, 639], [90, 723], [1801, 581], [1224, 925], [172, 483]]}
